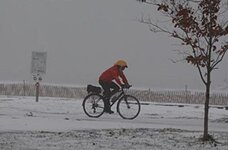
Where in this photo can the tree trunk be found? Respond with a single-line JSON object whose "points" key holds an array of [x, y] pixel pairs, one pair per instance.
{"points": [[206, 108]]}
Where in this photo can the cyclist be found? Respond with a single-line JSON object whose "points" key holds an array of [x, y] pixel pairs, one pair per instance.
{"points": [[106, 81]]}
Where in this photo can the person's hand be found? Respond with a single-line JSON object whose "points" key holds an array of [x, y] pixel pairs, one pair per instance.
{"points": [[125, 86]]}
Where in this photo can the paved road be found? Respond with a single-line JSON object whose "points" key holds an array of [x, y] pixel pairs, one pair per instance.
{"points": [[58, 115]]}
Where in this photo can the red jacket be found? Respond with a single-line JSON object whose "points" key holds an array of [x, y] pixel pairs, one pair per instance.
{"points": [[113, 73]]}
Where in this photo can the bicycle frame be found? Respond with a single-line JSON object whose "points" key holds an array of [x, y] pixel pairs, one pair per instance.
{"points": [[121, 94]]}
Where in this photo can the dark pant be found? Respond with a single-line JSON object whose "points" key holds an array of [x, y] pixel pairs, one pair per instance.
{"points": [[109, 90]]}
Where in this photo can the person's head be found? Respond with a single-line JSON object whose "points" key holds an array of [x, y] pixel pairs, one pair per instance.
{"points": [[121, 64]]}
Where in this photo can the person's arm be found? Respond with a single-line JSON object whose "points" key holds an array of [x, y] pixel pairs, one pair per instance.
{"points": [[116, 77], [124, 78], [118, 81]]}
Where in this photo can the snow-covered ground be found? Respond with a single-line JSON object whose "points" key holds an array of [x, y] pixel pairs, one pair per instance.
{"points": [[60, 123]]}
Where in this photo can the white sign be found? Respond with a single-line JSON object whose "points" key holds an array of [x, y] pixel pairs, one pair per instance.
{"points": [[38, 65]]}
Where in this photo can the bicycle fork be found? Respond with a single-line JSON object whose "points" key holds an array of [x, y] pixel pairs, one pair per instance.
{"points": [[125, 99]]}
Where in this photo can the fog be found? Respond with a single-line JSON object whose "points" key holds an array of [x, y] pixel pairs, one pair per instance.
{"points": [[82, 38]]}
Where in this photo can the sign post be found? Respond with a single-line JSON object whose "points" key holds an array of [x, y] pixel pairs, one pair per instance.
{"points": [[38, 68]]}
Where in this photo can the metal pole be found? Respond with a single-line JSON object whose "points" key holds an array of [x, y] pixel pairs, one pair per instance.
{"points": [[37, 91]]}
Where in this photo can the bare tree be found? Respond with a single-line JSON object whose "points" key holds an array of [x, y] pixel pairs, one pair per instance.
{"points": [[202, 28]]}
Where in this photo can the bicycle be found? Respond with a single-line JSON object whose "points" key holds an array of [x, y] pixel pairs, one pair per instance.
{"points": [[128, 106]]}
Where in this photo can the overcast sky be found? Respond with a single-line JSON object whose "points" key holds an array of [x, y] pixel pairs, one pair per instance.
{"points": [[82, 38]]}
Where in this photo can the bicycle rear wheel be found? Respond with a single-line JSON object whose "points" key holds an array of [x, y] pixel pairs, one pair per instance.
{"points": [[93, 105], [128, 107]]}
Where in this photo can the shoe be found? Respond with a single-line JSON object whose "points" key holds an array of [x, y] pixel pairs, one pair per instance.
{"points": [[109, 111]]}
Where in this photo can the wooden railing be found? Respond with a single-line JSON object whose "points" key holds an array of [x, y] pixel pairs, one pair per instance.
{"points": [[180, 96]]}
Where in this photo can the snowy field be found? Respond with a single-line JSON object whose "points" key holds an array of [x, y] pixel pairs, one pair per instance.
{"points": [[60, 124]]}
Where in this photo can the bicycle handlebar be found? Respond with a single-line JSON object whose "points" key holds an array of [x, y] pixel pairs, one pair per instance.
{"points": [[126, 86]]}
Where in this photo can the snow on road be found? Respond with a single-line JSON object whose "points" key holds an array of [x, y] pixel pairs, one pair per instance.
{"points": [[59, 123]]}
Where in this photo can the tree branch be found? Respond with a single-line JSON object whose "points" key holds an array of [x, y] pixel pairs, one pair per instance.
{"points": [[218, 60], [156, 27]]}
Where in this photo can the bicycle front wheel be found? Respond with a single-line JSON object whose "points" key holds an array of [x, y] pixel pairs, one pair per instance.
{"points": [[93, 105], [128, 107]]}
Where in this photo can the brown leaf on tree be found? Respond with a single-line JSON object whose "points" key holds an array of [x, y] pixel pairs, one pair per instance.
{"points": [[163, 7]]}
